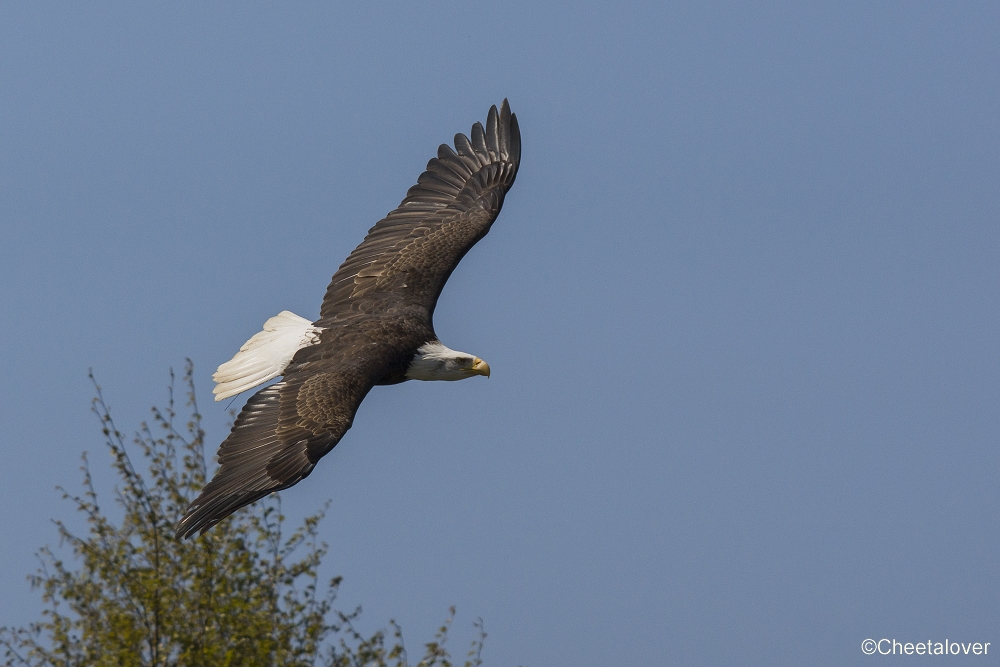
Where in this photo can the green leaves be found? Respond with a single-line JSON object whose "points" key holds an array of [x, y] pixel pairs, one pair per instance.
{"points": [[245, 593]]}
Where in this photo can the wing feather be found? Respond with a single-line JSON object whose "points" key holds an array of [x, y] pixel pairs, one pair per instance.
{"points": [[407, 256], [278, 437]]}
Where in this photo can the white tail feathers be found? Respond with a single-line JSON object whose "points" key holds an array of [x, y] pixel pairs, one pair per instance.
{"points": [[266, 355]]}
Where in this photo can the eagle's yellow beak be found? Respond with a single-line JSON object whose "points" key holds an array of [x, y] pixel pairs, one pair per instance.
{"points": [[480, 367]]}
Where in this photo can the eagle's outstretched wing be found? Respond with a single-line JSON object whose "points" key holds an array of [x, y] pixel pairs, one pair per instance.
{"points": [[284, 429], [407, 256]]}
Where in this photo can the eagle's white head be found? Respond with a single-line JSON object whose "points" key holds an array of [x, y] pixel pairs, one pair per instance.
{"points": [[434, 361]]}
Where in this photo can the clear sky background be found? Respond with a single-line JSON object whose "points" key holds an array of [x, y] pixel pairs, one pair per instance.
{"points": [[741, 304]]}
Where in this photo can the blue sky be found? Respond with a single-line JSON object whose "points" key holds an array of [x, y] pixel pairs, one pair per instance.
{"points": [[741, 305]]}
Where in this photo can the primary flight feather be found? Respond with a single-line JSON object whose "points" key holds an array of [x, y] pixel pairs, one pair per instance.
{"points": [[375, 327]]}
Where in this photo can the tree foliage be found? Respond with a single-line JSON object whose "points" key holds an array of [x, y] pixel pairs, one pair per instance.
{"points": [[246, 593]]}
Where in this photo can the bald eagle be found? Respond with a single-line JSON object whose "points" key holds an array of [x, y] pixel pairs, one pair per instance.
{"points": [[375, 327]]}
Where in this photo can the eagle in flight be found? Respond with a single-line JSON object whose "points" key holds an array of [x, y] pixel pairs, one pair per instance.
{"points": [[375, 327]]}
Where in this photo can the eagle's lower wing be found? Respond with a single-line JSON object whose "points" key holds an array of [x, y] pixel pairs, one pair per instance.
{"points": [[280, 434], [408, 255]]}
